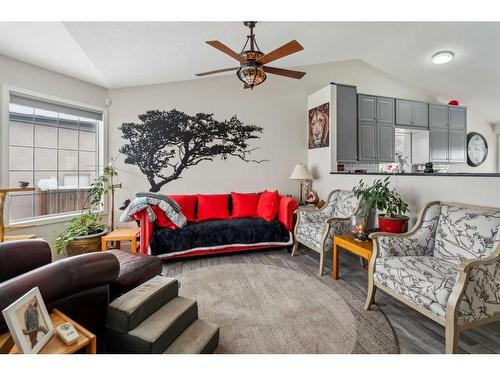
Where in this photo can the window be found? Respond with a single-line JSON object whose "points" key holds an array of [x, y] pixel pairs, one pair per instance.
{"points": [[55, 148]]}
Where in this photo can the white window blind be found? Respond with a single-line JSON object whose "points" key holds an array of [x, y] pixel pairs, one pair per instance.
{"points": [[54, 147]]}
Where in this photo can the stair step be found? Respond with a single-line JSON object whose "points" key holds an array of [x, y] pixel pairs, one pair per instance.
{"points": [[201, 337], [161, 329], [131, 309]]}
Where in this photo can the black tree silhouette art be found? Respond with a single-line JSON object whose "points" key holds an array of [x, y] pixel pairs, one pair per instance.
{"points": [[165, 143]]}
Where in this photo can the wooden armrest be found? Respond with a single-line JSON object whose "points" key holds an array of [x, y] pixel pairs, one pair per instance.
{"points": [[332, 219], [466, 265]]}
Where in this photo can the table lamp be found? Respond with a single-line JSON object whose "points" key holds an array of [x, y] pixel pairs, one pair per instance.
{"points": [[301, 172]]}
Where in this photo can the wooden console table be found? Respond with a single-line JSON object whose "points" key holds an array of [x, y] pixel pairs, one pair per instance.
{"points": [[3, 198], [55, 345], [347, 242]]}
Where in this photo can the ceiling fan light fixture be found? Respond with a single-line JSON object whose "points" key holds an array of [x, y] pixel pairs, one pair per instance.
{"points": [[251, 75], [442, 57]]}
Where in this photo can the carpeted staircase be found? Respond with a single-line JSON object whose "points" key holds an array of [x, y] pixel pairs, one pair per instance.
{"points": [[153, 318]]}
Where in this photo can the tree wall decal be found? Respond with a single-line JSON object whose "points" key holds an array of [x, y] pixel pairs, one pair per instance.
{"points": [[165, 143]]}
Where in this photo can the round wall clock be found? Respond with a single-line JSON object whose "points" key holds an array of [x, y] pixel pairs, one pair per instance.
{"points": [[477, 149]]}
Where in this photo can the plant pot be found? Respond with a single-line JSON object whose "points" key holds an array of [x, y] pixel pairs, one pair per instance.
{"points": [[393, 224], [85, 244]]}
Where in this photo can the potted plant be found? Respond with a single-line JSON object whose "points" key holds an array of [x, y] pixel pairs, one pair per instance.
{"points": [[84, 232], [380, 197]]}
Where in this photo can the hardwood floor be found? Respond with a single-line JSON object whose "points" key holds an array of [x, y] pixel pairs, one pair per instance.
{"points": [[415, 333]]}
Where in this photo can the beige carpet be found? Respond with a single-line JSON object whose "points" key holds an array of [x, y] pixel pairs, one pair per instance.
{"points": [[264, 308]]}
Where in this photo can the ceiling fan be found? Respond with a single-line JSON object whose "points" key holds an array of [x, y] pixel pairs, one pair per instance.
{"points": [[252, 70]]}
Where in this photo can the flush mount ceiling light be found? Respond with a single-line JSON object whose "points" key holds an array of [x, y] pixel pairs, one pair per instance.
{"points": [[442, 57]]}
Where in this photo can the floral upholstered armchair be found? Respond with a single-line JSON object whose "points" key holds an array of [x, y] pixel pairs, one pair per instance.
{"points": [[315, 228], [447, 267]]}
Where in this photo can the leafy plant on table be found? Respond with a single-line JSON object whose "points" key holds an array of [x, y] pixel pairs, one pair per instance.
{"points": [[89, 222], [380, 197]]}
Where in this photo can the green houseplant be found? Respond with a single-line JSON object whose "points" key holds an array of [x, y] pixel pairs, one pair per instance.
{"points": [[83, 233], [379, 196]]}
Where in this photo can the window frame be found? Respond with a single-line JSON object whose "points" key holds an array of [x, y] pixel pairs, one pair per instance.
{"points": [[102, 149]]}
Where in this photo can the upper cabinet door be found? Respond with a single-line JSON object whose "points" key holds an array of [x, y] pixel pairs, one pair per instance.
{"points": [[438, 116], [385, 110], [457, 145], [421, 114], [367, 108], [385, 143], [458, 117], [367, 141], [438, 144], [404, 112]]}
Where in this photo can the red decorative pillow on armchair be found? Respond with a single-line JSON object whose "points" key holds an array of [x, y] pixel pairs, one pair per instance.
{"points": [[245, 205], [268, 205], [212, 207]]}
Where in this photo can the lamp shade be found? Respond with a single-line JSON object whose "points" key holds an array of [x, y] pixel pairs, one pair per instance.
{"points": [[301, 172]]}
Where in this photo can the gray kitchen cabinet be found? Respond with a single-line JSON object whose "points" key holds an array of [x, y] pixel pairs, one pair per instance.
{"points": [[421, 114], [457, 117], [385, 142], [367, 108], [367, 141], [404, 112], [457, 140], [447, 134], [385, 110], [376, 128], [347, 130], [438, 116], [412, 114], [438, 144]]}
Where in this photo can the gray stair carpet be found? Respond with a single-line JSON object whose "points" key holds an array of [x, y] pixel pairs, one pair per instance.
{"points": [[159, 330], [131, 309], [199, 338]]}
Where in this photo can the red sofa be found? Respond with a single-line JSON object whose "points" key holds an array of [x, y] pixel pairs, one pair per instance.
{"points": [[217, 235]]}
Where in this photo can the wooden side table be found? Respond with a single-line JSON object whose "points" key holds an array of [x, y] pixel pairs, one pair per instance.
{"points": [[347, 242], [55, 345], [121, 234]]}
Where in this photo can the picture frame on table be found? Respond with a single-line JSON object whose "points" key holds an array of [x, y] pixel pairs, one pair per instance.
{"points": [[29, 322]]}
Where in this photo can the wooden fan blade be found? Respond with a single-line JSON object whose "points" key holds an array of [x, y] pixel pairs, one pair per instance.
{"points": [[278, 53], [284, 72], [223, 48], [216, 71]]}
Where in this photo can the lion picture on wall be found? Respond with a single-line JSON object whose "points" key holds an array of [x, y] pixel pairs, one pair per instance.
{"points": [[319, 126]]}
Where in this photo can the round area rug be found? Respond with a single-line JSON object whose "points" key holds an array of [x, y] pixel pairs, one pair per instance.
{"points": [[270, 309]]}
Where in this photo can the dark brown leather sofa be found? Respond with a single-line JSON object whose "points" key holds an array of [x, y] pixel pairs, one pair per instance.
{"points": [[78, 286]]}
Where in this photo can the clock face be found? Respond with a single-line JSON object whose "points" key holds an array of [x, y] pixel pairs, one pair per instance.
{"points": [[477, 149]]}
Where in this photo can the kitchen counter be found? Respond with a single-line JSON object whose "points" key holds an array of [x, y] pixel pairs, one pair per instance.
{"points": [[461, 174]]}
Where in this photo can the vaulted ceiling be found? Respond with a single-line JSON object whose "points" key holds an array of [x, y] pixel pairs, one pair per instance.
{"points": [[123, 54]]}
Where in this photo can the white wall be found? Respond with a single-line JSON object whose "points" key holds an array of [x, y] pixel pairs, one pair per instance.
{"points": [[28, 77], [279, 106]]}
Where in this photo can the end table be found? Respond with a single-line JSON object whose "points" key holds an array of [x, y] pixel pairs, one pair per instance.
{"points": [[347, 242], [121, 234], [55, 345]]}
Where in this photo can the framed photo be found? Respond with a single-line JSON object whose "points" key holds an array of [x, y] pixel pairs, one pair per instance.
{"points": [[29, 322], [319, 126]]}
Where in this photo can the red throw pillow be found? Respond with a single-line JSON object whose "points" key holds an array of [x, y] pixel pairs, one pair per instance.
{"points": [[161, 219], [213, 207], [245, 205], [268, 205], [188, 205]]}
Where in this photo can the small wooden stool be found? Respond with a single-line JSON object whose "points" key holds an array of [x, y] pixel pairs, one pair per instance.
{"points": [[121, 234]]}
